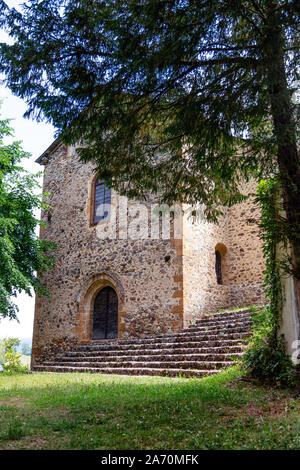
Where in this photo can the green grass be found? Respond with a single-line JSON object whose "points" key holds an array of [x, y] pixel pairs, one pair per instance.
{"points": [[233, 309], [93, 411]]}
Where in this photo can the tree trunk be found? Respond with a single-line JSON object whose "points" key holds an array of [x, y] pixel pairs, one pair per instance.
{"points": [[285, 134]]}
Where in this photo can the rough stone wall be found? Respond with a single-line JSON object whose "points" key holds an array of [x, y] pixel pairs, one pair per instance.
{"points": [[201, 291], [162, 283], [146, 273], [245, 257], [242, 261]]}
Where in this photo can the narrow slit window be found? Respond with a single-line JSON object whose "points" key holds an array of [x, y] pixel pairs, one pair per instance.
{"points": [[102, 200], [218, 266]]}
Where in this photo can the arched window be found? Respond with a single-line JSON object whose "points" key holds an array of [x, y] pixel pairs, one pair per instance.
{"points": [[101, 201], [218, 265]]}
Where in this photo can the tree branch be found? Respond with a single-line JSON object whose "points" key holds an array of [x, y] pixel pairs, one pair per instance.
{"points": [[222, 61]]}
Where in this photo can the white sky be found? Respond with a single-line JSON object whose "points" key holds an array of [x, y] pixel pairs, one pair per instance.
{"points": [[35, 137]]}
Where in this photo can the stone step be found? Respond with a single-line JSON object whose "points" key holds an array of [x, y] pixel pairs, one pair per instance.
{"points": [[227, 315], [103, 346], [190, 333], [131, 371], [230, 311], [186, 337], [150, 357], [217, 323], [159, 351], [148, 364], [221, 323], [213, 343], [230, 327], [194, 331]]}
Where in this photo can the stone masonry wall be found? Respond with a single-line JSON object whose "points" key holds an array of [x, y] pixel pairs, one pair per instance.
{"points": [[245, 256], [162, 283], [201, 291], [242, 261], [146, 273]]}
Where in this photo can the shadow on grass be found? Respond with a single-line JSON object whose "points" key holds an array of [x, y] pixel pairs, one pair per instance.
{"points": [[93, 411], [84, 390]]}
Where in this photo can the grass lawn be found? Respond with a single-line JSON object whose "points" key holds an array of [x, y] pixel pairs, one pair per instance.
{"points": [[93, 411]]}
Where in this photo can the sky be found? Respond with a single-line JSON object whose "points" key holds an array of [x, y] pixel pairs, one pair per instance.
{"points": [[35, 137]]}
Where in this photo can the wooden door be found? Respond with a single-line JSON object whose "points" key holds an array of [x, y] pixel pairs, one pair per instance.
{"points": [[105, 319]]}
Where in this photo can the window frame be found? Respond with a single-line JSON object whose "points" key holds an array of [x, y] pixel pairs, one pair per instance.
{"points": [[218, 267], [97, 182]]}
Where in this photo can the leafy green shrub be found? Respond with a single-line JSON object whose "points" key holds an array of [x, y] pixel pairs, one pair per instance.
{"points": [[9, 357], [266, 358]]}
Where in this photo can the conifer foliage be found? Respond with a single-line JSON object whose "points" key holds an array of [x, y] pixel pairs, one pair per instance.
{"points": [[185, 97]]}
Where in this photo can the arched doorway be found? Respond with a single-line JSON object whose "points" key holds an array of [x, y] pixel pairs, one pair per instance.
{"points": [[105, 315]]}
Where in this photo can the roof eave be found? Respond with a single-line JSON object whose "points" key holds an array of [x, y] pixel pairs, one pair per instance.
{"points": [[41, 159]]}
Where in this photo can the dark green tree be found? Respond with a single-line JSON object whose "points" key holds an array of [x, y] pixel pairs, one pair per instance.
{"points": [[185, 97], [23, 257]]}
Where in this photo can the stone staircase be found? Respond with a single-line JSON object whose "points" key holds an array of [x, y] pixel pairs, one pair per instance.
{"points": [[214, 342]]}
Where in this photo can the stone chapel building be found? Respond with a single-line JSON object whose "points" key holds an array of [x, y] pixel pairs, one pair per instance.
{"points": [[135, 281]]}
